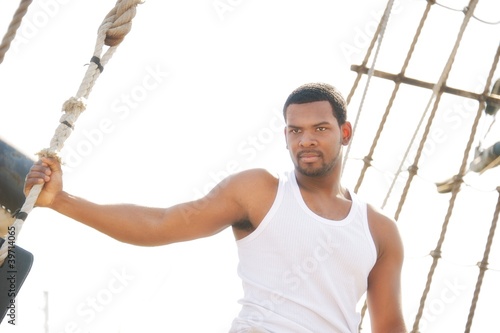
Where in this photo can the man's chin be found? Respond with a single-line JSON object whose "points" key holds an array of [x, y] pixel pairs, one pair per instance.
{"points": [[311, 171]]}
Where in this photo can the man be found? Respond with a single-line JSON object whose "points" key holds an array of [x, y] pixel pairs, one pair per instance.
{"points": [[309, 248]]}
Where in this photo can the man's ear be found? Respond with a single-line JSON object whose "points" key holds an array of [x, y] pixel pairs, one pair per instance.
{"points": [[286, 139], [346, 129]]}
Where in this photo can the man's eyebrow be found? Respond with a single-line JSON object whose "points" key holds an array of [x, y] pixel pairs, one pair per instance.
{"points": [[314, 125], [322, 123]]}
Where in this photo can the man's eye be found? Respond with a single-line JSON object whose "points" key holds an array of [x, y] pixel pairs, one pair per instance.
{"points": [[295, 130], [321, 129]]}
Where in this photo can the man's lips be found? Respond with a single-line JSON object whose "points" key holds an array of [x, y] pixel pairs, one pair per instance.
{"points": [[309, 156]]}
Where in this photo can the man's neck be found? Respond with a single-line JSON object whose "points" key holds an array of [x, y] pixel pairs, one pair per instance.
{"points": [[328, 185]]}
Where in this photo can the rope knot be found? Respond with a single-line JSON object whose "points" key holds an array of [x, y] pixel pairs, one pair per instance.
{"points": [[74, 105], [436, 254], [120, 20], [483, 265], [413, 169], [47, 152]]}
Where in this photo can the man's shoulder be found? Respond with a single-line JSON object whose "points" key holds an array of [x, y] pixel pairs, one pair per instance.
{"points": [[257, 176], [254, 190], [251, 182], [384, 230], [378, 216]]}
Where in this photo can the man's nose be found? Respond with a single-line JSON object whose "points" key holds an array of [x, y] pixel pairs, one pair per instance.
{"points": [[308, 140]]}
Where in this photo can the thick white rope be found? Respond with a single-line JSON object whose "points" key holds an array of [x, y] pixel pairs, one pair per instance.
{"points": [[112, 31]]}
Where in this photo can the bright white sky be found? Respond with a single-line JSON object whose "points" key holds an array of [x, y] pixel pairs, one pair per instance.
{"points": [[194, 93]]}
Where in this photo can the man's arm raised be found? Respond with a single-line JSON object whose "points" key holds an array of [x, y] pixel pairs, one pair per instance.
{"points": [[140, 225]]}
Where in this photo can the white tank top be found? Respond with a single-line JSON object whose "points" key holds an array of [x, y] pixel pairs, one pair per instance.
{"points": [[301, 272]]}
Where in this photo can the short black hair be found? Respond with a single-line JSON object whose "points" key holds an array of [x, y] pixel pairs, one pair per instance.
{"points": [[316, 92]]}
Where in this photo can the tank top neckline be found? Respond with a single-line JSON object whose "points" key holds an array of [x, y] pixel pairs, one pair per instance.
{"points": [[300, 199]]}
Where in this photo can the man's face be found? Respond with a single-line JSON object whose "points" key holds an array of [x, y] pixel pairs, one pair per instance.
{"points": [[314, 137]]}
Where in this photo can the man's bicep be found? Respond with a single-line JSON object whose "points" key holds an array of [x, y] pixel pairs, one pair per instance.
{"points": [[384, 284], [203, 217]]}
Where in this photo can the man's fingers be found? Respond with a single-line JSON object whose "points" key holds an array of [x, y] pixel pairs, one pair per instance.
{"points": [[32, 181], [37, 177], [38, 174], [41, 168], [52, 163]]}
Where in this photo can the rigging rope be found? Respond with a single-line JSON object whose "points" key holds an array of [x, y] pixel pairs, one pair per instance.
{"points": [[483, 266], [368, 158], [383, 171], [115, 26], [436, 253], [463, 10], [13, 27], [436, 97], [365, 60], [454, 262], [381, 33]]}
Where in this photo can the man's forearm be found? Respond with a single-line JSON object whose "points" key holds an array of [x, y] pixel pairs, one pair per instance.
{"points": [[127, 223]]}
